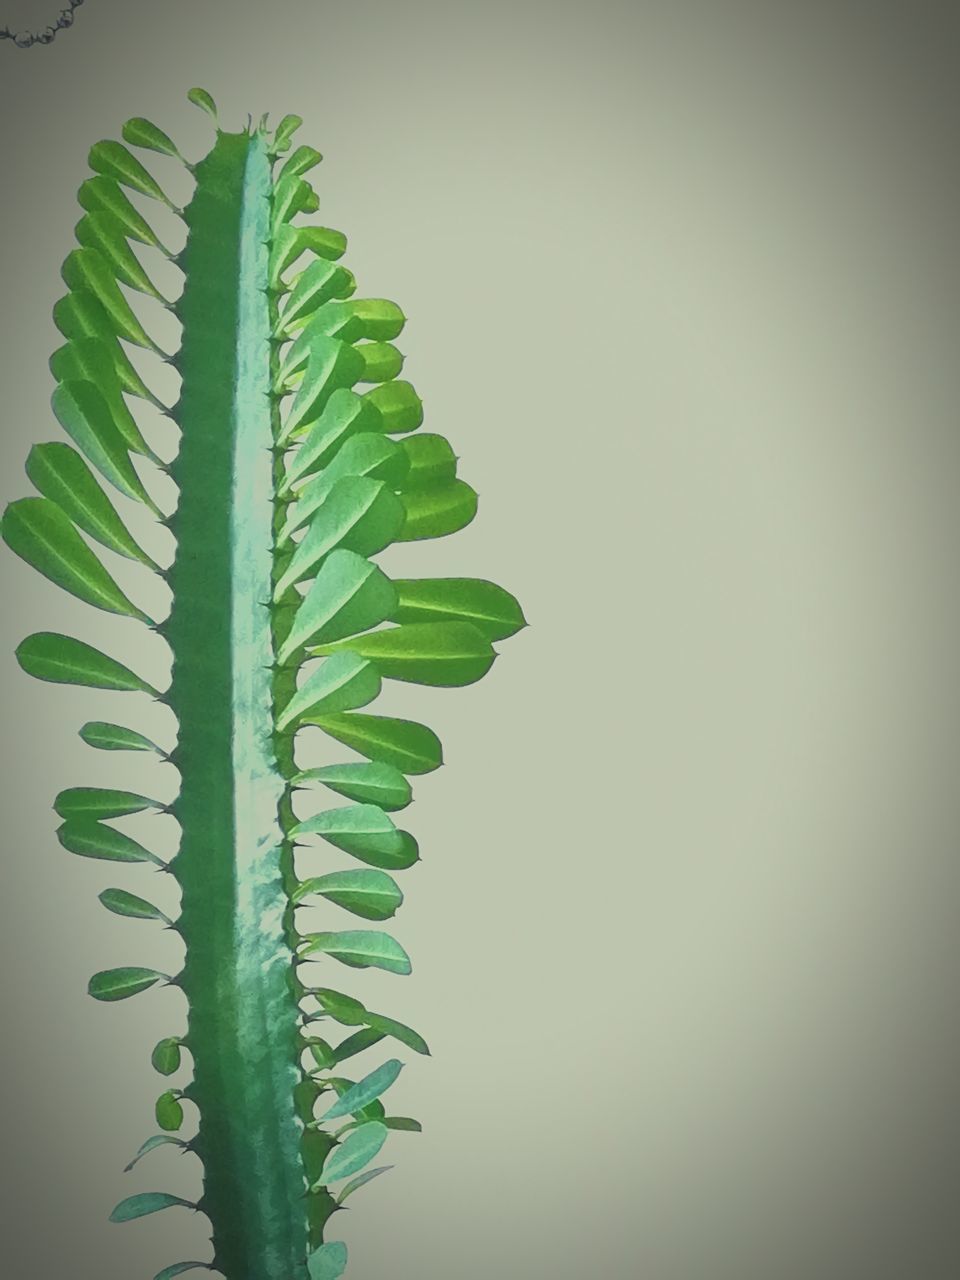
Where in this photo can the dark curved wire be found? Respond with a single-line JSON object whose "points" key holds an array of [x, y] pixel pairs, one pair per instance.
{"points": [[24, 39]]}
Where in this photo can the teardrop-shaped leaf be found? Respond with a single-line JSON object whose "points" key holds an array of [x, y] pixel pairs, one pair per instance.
{"points": [[200, 98], [398, 404], [91, 839], [373, 783], [120, 984], [101, 194], [115, 161], [361, 1180], [151, 1144], [445, 654], [178, 1268], [141, 133], [403, 1124], [328, 1262], [105, 233], [292, 195], [432, 461], [357, 1149], [122, 903], [89, 269], [360, 949], [332, 688], [81, 315], [349, 594], [146, 1202], [358, 319], [300, 161], [409, 746], [101, 802], [436, 512], [287, 127], [89, 359], [114, 737], [371, 1086], [331, 367], [365, 1038], [47, 655], [168, 1111], [291, 241], [316, 284], [85, 416], [321, 1052], [342, 1008], [344, 415], [371, 894], [493, 611], [382, 361], [39, 532], [360, 829], [374, 456], [399, 1030], [166, 1056]]}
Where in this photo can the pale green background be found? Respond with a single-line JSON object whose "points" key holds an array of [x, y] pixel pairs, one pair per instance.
{"points": [[682, 281]]}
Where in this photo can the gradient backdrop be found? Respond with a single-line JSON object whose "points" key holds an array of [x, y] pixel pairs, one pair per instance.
{"points": [[682, 283]]}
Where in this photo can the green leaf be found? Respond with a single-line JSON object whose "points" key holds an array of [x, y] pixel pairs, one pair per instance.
{"points": [[120, 984], [399, 1030], [122, 903], [360, 829], [47, 655], [360, 949], [332, 366], [399, 406], [146, 1202], [104, 195], [410, 747], [376, 457], [436, 512], [349, 594], [89, 359], [364, 1091], [361, 1180], [151, 1144], [371, 894], [431, 458], [446, 654], [114, 161], [342, 1008], [101, 802], [285, 131], [39, 532], [331, 688], [89, 269], [292, 195], [91, 839], [166, 1056], [344, 415], [200, 98], [404, 1124], [81, 315], [178, 1268], [114, 737], [322, 1053], [290, 242], [300, 161], [356, 1150], [318, 283], [373, 783], [381, 361], [105, 233], [85, 416], [373, 319], [365, 1038], [168, 1111], [141, 133], [328, 1262], [493, 611]]}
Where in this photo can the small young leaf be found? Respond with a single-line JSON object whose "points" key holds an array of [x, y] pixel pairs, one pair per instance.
{"points": [[400, 408], [360, 949], [403, 1123], [200, 98], [92, 839], [47, 655], [361, 1180], [285, 131], [114, 161], [104, 194], [410, 747], [342, 1008], [101, 802], [436, 512], [493, 611], [328, 1262], [432, 461], [445, 654], [120, 984], [349, 594], [151, 1144], [168, 1111], [356, 1150], [146, 1202], [178, 1268], [365, 1038], [364, 1091], [291, 241], [350, 682], [390, 1027], [141, 133], [373, 783], [85, 416], [166, 1056], [122, 903], [39, 532], [300, 161], [322, 1053], [114, 737], [371, 894]]}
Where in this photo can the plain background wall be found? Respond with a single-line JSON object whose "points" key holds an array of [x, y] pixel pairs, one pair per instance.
{"points": [[682, 287]]}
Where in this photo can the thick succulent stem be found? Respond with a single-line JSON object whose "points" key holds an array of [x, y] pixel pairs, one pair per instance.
{"points": [[238, 976]]}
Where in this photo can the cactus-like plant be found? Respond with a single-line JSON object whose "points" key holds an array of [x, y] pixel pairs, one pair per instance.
{"points": [[290, 479]]}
